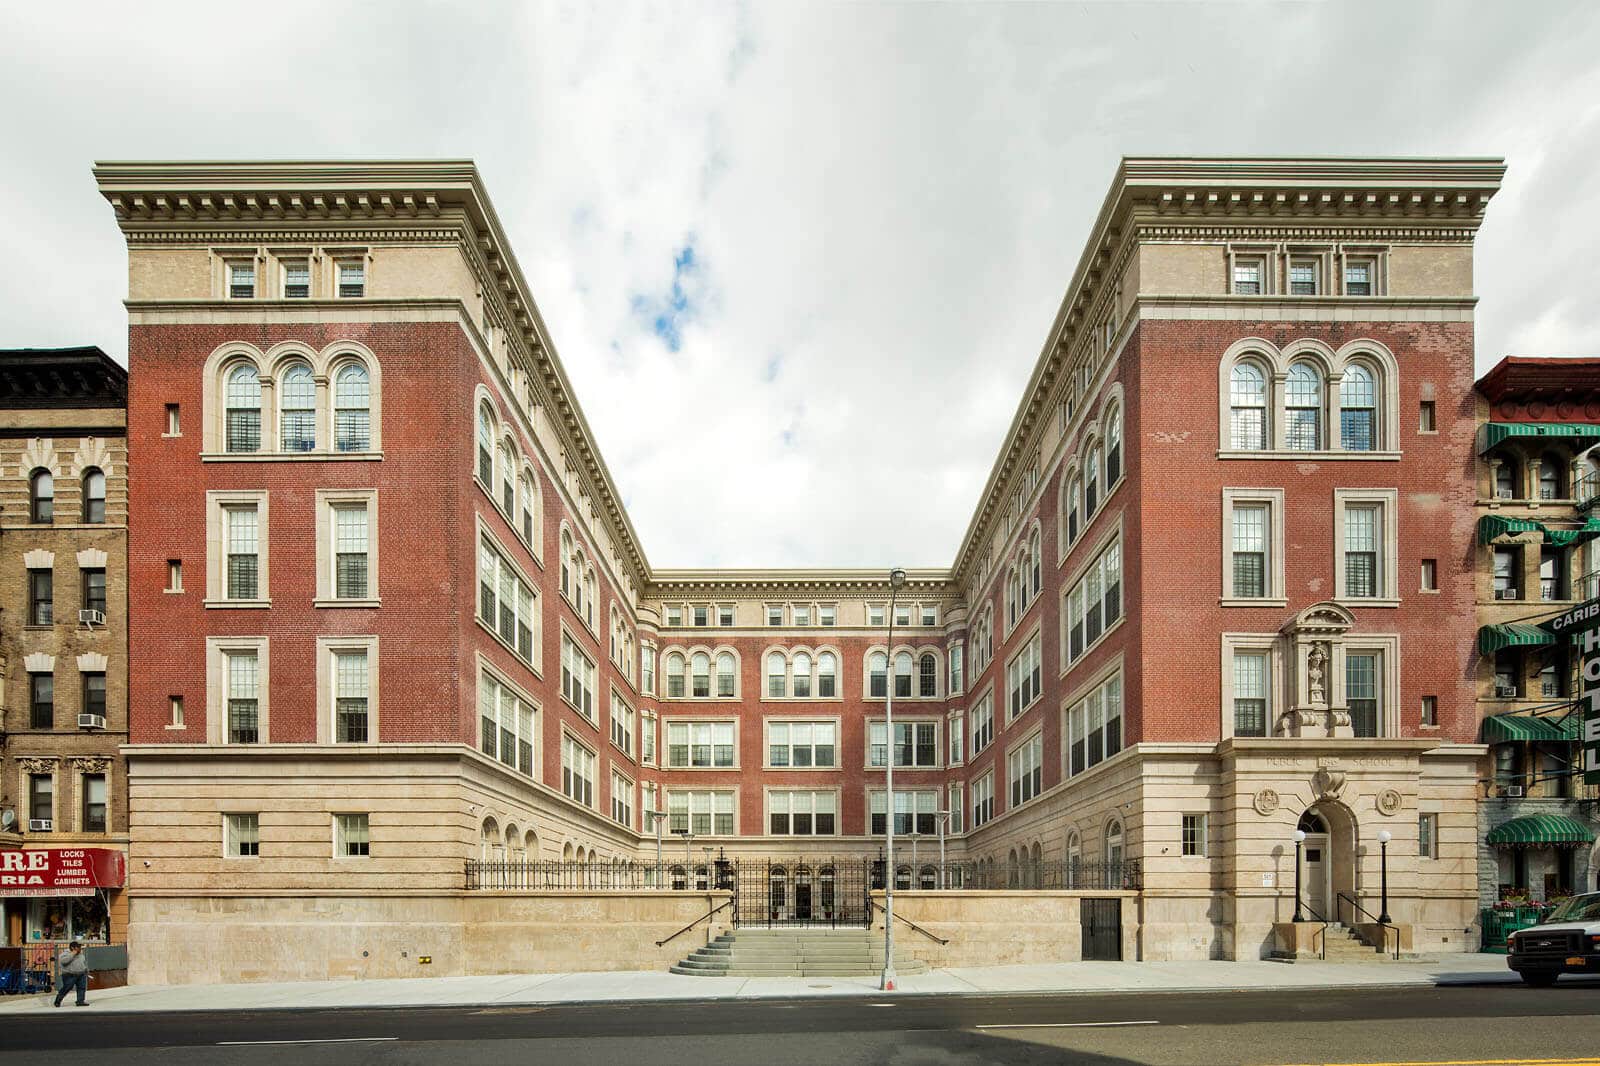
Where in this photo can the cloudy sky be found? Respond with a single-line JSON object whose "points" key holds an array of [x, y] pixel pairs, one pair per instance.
{"points": [[799, 260]]}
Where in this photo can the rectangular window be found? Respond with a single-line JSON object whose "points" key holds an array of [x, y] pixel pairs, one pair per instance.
{"points": [[622, 719], [1247, 277], [241, 279], [175, 712], [1095, 601], [1303, 277], [826, 616], [647, 739], [506, 724], [41, 598], [1025, 771], [1194, 835], [802, 744], [982, 716], [794, 813], [1508, 573], [955, 739], [916, 744], [1094, 727], [982, 800], [1024, 676], [352, 279], [577, 677], [1426, 419], [174, 425], [350, 547], [1250, 680], [1430, 710], [1362, 536], [930, 615], [700, 813], [1250, 550], [700, 744], [1361, 690], [1428, 836], [674, 615], [957, 679], [1358, 278], [242, 528], [774, 616], [1430, 575], [174, 575], [875, 615], [801, 614], [42, 799], [957, 808], [725, 615], [244, 697], [94, 693], [243, 835], [577, 772], [352, 836], [94, 803], [296, 279], [647, 670], [902, 616], [621, 799], [41, 701], [506, 605], [350, 680], [702, 616], [914, 812]]}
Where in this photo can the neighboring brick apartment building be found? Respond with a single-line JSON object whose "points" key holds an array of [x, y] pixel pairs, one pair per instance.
{"points": [[63, 645], [1537, 487], [388, 613]]}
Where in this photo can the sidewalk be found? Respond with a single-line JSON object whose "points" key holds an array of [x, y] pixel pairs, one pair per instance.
{"points": [[535, 989]]}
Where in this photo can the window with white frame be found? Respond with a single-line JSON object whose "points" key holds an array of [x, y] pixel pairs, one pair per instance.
{"points": [[1194, 836], [507, 606], [622, 723], [1250, 539], [1249, 274], [915, 811], [928, 614], [674, 615], [1428, 836], [701, 613], [700, 812], [1358, 409], [916, 744], [956, 738], [1024, 675], [700, 744], [982, 718], [1363, 672], [1366, 559], [1359, 276], [1362, 537], [506, 729], [243, 679], [352, 278], [647, 738], [802, 744], [296, 279], [1304, 277], [577, 677], [351, 548], [794, 812], [352, 836], [486, 432], [647, 670], [902, 616], [1303, 399], [827, 615], [957, 808], [1252, 693], [725, 614], [774, 614], [983, 800], [982, 638], [876, 615], [352, 684], [297, 409], [242, 409], [241, 279], [1025, 770], [621, 799], [1247, 396], [241, 835], [957, 679], [1094, 726], [1094, 603], [242, 524], [577, 771]]}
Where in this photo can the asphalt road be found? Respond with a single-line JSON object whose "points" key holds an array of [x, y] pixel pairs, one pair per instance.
{"points": [[1479, 1025]]}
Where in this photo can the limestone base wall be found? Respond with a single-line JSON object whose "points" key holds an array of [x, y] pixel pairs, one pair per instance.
{"points": [[988, 928]]}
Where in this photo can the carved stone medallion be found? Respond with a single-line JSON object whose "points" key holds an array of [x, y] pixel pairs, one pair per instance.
{"points": [[1388, 802], [1266, 801]]}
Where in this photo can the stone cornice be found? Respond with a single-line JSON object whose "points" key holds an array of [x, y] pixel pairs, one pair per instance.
{"points": [[853, 584]]}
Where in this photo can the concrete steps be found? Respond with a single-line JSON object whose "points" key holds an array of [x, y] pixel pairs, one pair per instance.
{"points": [[794, 953], [1344, 945]]}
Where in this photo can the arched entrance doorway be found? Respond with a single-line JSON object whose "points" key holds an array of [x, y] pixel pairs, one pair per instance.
{"points": [[1316, 883], [1327, 858]]}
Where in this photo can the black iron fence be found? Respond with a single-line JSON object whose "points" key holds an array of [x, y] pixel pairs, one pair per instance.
{"points": [[999, 875]]}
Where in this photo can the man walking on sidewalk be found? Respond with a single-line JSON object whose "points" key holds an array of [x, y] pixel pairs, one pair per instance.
{"points": [[74, 969]]}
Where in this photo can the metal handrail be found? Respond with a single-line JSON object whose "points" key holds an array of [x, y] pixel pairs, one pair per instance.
{"points": [[902, 918], [691, 925], [1385, 926], [1322, 932]]}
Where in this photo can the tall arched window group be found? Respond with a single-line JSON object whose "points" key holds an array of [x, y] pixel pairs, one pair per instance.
{"points": [[801, 673], [622, 643], [915, 674], [700, 673], [1093, 474], [42, 496], [981, 637], [1309, 398], [579, 582], [295, 401], [1024, 579], [508, 477]]}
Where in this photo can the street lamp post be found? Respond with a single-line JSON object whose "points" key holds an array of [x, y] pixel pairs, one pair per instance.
{"points": [[1383, 845], [897, 578], [943, 816], [1299, 842], [656, 817]]}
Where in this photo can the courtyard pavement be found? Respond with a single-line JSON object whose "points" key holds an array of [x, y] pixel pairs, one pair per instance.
{"points": [[526, 990]]}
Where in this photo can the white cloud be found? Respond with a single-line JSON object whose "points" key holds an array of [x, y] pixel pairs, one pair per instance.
{"points": [[885, 203]]}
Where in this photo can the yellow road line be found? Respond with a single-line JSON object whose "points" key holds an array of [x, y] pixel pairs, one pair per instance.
{"points": [[1469, 1062]]}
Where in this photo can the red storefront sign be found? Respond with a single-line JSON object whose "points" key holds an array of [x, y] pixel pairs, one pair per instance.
{"points": [[61, 871]]}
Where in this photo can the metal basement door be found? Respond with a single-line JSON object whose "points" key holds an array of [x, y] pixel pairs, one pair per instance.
{"points": [[774, 893], [1102, 929]]}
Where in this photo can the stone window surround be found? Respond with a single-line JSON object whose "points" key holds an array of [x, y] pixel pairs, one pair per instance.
{"points": [[1280, 693], [688, 653], [1388, 500], [1330, 363], [327, 500], [1331, 260], [916, 661], [787, 719], [1035, 641], [270, 364], [634, 803], [667, 791], [327, 647], [269, 260], [501, 678], [217, 651], [663, 749], [1077, 695], [217, 500], [788, 653], [1276, 585], [1036, 733], [766, 810], [919, 718], [536, 663]]}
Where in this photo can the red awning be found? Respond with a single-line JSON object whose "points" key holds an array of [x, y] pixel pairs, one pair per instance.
{"points": [[61, 871]]}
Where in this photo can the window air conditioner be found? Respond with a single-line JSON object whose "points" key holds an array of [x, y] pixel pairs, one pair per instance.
{"points": [[91, 721], [1514, 791], [1505, 692], [1505, 594], [90, 616], [1503, 494], [39, 825]]}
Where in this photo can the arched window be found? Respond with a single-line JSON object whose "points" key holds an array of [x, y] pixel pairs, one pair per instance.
{"points": [[1011, 869], [1550, 476], [1247, 395], [591, 595], [1074, 490], [508, 480], [297, 410], [1013, 607], [42, 496], [802, 675], [94, 495], [727, 668], [877, 675], [352, 409], [1358, 415], [1074, 855], [673, 668], [827, 675], [700, 666], [489, 841], [1113, 447], [902, 674], [566, 563], [486, 446], [1113, 845], [928, 675], [1091, 483], [242, 410], [1035, 564], [530, 500], [776, 684], [1302, 401]]}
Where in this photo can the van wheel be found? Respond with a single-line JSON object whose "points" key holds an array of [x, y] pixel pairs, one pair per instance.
{"points": [[1539, 978]]}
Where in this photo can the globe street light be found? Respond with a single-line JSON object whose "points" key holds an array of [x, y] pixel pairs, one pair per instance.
{"points": [[897, 579], [1383, 845], [1299, 842]]}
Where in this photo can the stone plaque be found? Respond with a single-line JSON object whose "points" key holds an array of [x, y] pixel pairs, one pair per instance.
{"points": [[1266, 801], [1388, 802]]}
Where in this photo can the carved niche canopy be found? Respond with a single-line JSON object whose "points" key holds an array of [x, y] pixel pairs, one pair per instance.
{"points": [[1325, 619]]}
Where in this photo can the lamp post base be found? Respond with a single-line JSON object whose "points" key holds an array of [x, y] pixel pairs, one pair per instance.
{"points": [[887, 984]]}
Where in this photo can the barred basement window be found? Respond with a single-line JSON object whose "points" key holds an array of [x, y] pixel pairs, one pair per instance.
{"points": [[297, 406], [351, 683]]}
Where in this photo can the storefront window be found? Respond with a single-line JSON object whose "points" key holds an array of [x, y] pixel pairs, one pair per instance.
{"points": [[72, 918]]}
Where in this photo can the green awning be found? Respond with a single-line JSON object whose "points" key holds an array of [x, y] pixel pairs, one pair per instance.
{"points": [[1536, 829], [1492, 527], [1511, 635], [1511, 727], [1580, 436]]}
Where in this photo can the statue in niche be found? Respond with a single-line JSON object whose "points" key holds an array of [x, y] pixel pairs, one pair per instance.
{"points": [[1316, 672]]}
